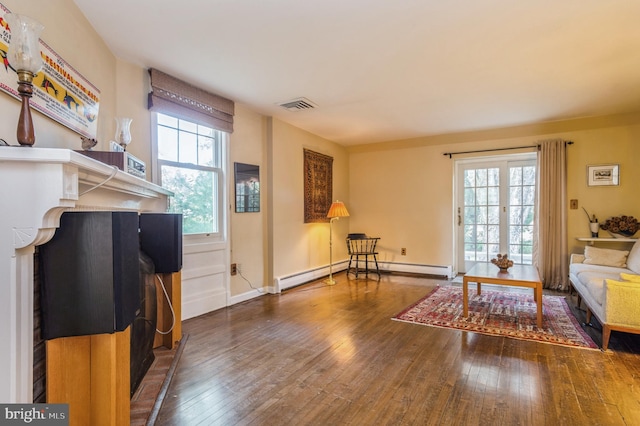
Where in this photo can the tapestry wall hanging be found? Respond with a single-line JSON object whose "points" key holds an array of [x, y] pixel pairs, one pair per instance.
{"points": [[318, 186]]}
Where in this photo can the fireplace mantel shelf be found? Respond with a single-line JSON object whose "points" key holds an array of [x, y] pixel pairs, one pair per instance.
{"points": [[37, 185], [42, 183]]}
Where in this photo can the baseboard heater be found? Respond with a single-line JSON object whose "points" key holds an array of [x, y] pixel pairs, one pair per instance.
{"points": [[283, 283], [418, 268]]}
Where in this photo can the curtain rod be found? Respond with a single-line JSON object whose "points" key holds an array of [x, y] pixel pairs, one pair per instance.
{"points": [[451, 154]]}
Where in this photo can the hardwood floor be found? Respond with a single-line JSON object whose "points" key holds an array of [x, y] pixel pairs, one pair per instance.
{"points": [[331, 355]]}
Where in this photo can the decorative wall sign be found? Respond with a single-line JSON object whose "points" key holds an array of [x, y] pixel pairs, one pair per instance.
{"points": [[318, 186], [603, 175], [60, 92]]}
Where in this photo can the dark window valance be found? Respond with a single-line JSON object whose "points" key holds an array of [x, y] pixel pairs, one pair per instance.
{"points": [[180, 99]]}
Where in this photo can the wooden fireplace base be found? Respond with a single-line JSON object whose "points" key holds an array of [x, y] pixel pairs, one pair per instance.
{"points": [[173, 285], [92, 375]]}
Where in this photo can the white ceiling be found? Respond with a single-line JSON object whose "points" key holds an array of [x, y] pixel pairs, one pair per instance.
{"points": [[382, 70]]}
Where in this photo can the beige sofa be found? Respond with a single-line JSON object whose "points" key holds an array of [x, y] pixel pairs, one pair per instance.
{"points": [[608, 281]]}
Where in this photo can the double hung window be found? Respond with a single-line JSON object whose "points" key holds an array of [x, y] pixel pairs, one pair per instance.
{"points": [[191, 165]]}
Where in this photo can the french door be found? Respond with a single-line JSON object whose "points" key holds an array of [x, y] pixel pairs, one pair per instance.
{"points": [[495, 207]]}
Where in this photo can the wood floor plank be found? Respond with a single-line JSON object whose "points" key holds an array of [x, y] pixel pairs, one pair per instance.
{"points": [[320, 354]]}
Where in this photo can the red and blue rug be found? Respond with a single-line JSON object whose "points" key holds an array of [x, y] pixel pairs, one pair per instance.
{"points": [[498, 313]]}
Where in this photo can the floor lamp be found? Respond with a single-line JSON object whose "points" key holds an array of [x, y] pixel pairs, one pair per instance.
{"points": [[336, 211]]}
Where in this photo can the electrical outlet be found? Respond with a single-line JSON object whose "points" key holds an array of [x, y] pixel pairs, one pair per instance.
{"points": [[234, 269], [403, 251]]}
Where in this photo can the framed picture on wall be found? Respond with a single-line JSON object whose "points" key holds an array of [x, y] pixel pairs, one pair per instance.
{"points": [[603, 175], [247, 179]]}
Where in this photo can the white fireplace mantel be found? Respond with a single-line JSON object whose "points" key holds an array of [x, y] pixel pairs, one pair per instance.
{"points": [[37, 185]]}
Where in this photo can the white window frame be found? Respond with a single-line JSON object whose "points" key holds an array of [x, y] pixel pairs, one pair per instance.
{"points": [[221, 234]]}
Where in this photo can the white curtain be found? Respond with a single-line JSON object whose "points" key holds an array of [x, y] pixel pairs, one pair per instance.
{"points": [[551, 253]]}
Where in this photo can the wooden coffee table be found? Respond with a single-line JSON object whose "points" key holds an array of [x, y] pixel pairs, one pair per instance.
{"points": [[517, 275]]}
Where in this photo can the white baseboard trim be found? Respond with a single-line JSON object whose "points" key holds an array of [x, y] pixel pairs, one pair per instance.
{"points": [[239, 298], [196, 305]]}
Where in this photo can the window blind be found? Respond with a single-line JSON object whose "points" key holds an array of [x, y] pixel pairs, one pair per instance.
{"points": [[175, 97]]}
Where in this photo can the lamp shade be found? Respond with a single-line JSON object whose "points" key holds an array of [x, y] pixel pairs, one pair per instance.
{"points": [[337, 209], [24, 50]]}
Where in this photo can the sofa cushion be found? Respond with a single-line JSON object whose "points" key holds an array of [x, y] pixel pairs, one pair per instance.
{"points": [[605, 257], [609, 271], [594, 283], [592, 278], [630, 277], [633, 260]]}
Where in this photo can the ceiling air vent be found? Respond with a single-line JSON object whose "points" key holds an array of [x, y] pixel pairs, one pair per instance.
{"points": [[299, 104]]}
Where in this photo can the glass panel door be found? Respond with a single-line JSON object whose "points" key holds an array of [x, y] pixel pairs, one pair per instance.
{"points": [[495, 209], [480, 214], [522, 197]]}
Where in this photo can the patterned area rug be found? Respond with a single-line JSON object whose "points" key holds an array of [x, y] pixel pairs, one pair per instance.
{"points": [[499, 313]]}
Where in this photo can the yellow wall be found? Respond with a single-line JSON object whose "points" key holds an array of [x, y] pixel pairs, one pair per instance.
{"points": [[248, 234], [132, 88], [400, 190], [612, 145], [69, 34], [276, 242], [297, 246], [123, 86], [404, 195], [123, 92]]}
